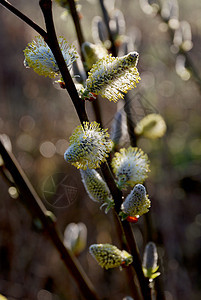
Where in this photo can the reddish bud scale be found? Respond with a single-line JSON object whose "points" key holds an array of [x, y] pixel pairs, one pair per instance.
{"points": [[80, 16], [92, 97], [62, 84], [118, 43], [132, 219], [123, 264]]}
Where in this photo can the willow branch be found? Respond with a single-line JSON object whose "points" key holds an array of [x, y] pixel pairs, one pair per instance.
{"points": [[32, 200], [76, 21], [130, 121], [127, 232], [137, 264], [190, 65], [24, 18], [130, 272], [106, 20], [51, 40], [27, 190], [53, 44], [81, 40]]}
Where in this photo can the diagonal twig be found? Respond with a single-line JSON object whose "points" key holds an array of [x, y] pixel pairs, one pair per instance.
{"points": [[32, 200], [23, 17]]}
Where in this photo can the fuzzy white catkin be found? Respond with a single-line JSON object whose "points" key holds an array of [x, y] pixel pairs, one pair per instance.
{"points": [[137, 202]]}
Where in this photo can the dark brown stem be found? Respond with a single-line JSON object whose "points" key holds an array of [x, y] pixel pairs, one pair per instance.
{"points": [[106, 20], [115, 192], [27, 191], [144, 282], [130, 121], [127, 231], [20, 15], [32, 200], [97, 112], [190, 65], [150, 234], [51, 40], [76, 21], [130, 272]]}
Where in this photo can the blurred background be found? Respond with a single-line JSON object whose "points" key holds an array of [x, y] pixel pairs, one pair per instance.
{"points": [[38, 117]]}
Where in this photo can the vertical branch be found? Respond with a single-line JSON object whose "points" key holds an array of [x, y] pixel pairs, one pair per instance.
{"points": [[27, 191], [144, 282], [130, 121], [133, 141], [130, 272], [107, 20], [116, 193], [76, 21], [51, 40], [81, 40], [191, 66], [127, 231], [32, 200]]}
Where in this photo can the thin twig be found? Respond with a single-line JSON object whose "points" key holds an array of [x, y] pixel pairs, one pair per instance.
{"points": [[51, 39], [106, 20], [131, 273], [81, 40], [130, 121], [117, 195], [46, 7], [32, 200], [144, 282], [76, 21], [127, 231], [20, 15], [53, 44], [190, 65]]}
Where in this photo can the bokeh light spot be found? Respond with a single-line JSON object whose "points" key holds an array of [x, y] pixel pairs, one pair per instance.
{"points": [[47, 149], [25, 142], [61, 146], [44, 295], [27, 123], [13, 192]]}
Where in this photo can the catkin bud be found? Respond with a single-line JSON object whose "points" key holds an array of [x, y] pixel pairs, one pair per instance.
{"points": [[119, 130], [99, 31], [89, 146], [130, 166], [152, 126], [109, 256], [111, 76], [149, 7], [97, 188], [117, 23], [92, 53], [183, 37], [136, 203], [75, 237], [150, 260], [39, 56]]}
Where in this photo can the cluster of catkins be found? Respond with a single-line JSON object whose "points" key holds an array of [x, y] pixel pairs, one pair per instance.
{"points": [[90, 145]]}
